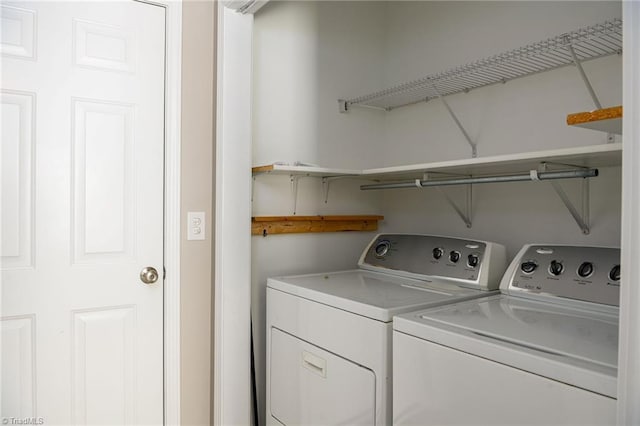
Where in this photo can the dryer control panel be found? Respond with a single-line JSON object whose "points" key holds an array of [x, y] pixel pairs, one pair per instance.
{"points": [[590, 274], [477, 264]]}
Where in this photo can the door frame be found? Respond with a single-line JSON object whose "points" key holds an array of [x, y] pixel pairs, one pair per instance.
{"points": [[232, 278], [173, 112], [629, 349], [172, 141]]}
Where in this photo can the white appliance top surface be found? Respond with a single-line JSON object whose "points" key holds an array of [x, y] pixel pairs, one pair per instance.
{"points": [[552, 340], [372, 294]]}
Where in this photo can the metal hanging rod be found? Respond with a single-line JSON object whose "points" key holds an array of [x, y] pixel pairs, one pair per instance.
{"points": [[533, 175], [586, 43]]}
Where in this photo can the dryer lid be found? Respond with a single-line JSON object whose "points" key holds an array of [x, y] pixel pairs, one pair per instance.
{"points": [[372, 294]]}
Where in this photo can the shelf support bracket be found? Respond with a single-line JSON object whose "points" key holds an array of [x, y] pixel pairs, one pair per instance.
{"points": [[583, 75], [325, 189], [294, 190], [474, 148], [581, 218], [253, 187], [464, 213], [326, 183]]}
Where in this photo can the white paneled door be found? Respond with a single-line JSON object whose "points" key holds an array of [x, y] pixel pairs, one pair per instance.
{"points": [[82, 212]]}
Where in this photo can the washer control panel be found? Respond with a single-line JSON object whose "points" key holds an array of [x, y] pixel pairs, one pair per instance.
{"points": [[590, 274], [429, 256]]}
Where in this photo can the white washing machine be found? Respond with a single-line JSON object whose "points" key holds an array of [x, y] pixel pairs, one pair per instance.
{"points": [[329, 334], [543, 352]]}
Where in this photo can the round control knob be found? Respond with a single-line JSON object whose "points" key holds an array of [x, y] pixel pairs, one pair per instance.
{"points": [[438, 252], [473, 260], [555, 268], [454, 256], [528, 267], [585, 269], [614, 273], [382, 248]]}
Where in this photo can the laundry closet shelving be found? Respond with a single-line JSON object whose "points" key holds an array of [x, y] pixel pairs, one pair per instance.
{"points": [[268, 225], [572, 48]]}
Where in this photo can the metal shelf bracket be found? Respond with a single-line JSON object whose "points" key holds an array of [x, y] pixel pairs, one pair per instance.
{"points": [[583, 75], [294, 190], [326, 182], [253, 187], [464, 212], [581, 218], [474, 148], [325, 189]]}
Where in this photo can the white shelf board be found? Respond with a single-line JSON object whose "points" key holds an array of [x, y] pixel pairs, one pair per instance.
{"points": [[285, 169], [612, 125], [589, 156], [586, 156]]}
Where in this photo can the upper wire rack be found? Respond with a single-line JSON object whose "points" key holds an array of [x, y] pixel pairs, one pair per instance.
{"points": [[588, 43]]}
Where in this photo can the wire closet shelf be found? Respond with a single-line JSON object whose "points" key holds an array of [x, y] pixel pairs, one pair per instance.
{"points": [[587, 43]]}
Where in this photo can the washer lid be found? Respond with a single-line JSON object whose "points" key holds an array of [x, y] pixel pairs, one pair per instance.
{"points": [[572, 345], [372, 294]]}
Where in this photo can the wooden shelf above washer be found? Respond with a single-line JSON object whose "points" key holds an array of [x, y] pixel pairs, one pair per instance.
{"points": [[607, 120], [267, 225]]}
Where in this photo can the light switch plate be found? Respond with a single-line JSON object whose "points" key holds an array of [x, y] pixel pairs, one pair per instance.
{"points": [[195, 226]]}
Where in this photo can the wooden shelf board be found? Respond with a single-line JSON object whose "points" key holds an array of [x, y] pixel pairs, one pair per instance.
{"points": [[607, 120], [589, 156], [285, 169], [267, 225]]}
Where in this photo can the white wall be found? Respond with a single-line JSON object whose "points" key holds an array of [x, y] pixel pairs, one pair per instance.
{"points": [[303, 62], [309, 54]]}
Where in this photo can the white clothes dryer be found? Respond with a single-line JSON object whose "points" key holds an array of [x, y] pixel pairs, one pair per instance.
{"points": [[329, 334], [543, 352]]}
